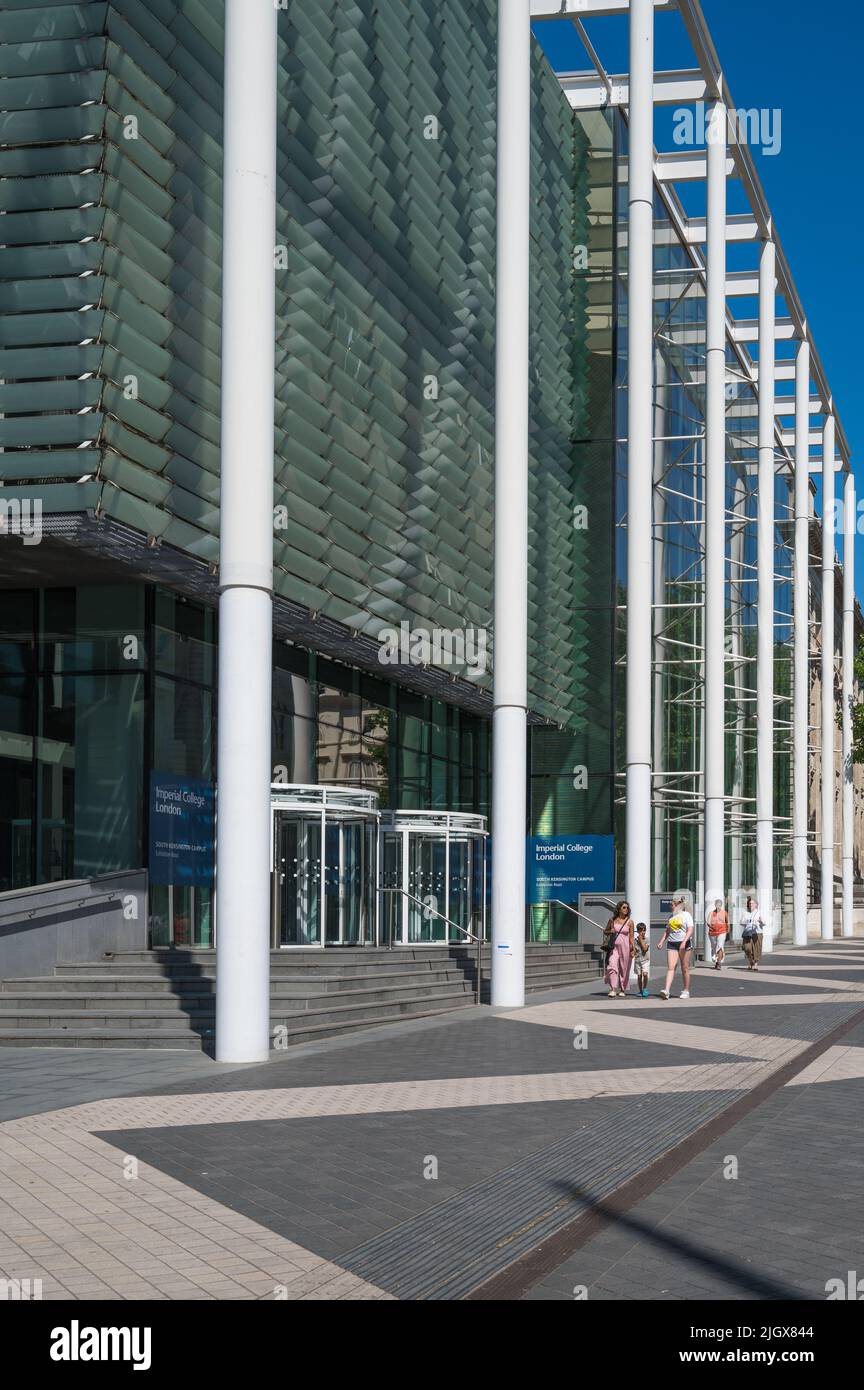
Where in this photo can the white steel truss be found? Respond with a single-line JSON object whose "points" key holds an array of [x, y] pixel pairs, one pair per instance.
{"points": [[770, 446]]}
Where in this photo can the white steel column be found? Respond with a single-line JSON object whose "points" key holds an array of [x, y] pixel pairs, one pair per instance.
{"points": [[765, 599], [640, 355], [246, 534], [848, 672], [736, 569], [715, 515], [801, 647], [827, 838], [509, 721], [660, 450]]}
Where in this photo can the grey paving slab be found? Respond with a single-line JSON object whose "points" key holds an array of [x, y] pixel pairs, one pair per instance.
{"points": [[803, 1024], [438, 1239], [790, 1221], [293, 1176], [487, 1046], [35, 1079], [352, 1187]]}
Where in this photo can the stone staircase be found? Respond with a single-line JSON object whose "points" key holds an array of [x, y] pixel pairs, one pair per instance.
{"points": [[166, 998]]}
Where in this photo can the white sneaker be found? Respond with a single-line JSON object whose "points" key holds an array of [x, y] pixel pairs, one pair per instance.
{"points": [[664, 994], [685, 994]]}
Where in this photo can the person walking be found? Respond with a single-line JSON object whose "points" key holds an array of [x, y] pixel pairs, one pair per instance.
{"points": [[678, 940], [718, 930], [618, 943], [752, 927], [642, 960]]}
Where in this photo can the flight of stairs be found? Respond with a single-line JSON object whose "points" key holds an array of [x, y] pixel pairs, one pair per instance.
{"points": [[166, 999]]}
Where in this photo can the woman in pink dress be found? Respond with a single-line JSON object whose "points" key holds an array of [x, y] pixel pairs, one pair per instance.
{"points": [[618, 940]]}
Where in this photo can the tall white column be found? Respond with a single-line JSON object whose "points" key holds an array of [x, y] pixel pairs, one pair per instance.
{"points": [[715, 515], [640, 356], [848, 675], [801, 647], [510, 693], [246, 534], [765, 599], [827, 838], [736, 838], [660, 452]]}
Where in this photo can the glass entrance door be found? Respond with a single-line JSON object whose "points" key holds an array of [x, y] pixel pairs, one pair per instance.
{"points": [[297, 881], [433, 878], [459, 877], [427, 888], [338, 892], [345, 870]]}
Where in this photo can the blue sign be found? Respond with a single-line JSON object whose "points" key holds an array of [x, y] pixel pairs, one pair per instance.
{"points": [[181, 830], [560, 867]]}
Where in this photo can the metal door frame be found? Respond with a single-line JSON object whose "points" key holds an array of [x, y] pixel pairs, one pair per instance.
{"points": [[443, 826], [329, 806]]}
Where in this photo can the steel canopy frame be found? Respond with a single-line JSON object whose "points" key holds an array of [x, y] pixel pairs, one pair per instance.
{"points": [[773, 441], [670, 167]]}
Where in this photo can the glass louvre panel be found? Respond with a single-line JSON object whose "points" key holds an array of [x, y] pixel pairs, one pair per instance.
{"points": [[388, 487]]}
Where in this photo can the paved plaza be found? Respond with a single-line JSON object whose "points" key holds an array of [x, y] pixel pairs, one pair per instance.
{"points": [[580, 1147]]}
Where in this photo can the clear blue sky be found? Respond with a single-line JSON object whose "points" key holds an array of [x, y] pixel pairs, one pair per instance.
{"points": [[800, 58]]}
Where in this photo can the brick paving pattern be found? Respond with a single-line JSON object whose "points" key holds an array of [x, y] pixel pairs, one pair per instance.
{"points": [[417, 1160]]}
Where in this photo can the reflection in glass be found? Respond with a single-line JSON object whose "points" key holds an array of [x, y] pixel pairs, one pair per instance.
{"points": [[89, 775]]}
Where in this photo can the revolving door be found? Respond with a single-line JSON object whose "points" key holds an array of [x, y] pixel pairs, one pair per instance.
{"points": [[433, 878], [324, 855]]}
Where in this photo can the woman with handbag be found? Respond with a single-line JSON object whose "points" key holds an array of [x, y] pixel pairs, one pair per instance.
{"points": [[752, 926], [618, 944]]}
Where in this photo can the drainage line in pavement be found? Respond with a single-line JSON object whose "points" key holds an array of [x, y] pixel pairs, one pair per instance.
{"points": [[526, 1271]]}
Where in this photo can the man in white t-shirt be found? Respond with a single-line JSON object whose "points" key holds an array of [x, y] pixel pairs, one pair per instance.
{"points": [[678, 940]]}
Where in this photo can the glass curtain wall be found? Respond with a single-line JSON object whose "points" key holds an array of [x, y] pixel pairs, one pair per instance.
{"points": [[742, 597], [182, 744], [677, 682], [332, 723], [679, 522], [72, 696], [572, 757], [784, 634], [742, 509]]}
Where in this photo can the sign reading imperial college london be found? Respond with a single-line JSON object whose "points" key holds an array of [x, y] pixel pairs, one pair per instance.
{"points": [[181, 830], [560, 867]]}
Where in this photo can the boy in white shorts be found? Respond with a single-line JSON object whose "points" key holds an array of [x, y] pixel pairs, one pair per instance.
{"points": [[642, 960]]}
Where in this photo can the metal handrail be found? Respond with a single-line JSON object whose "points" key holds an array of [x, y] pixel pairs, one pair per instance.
{"points": [[48, 909], [436, 913], [590, 920]]}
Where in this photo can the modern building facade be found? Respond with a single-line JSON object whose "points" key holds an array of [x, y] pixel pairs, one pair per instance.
{"points": [[173, 367]]}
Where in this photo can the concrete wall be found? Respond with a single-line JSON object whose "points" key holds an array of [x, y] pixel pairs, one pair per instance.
{"points": [[74, 921]]}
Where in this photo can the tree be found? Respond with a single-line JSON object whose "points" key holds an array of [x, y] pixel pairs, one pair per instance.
{"points": [[858, 711]]}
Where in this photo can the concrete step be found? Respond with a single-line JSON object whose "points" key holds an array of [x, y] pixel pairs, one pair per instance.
{"points": [[333, 1030], [293, 970], [152, 1020], [151, 1028], [180, 1041], [167, 998], [182, 985], [133, 1002], [360, 1011], [103, 1001], [279, 968]]}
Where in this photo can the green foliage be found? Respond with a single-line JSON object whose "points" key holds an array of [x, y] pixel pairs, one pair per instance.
{"points": [[858, 712]]}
